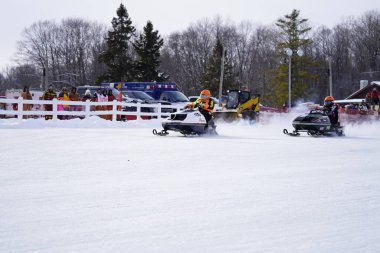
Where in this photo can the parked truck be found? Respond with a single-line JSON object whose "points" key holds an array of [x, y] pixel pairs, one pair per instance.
{"points": [[166, 91]]}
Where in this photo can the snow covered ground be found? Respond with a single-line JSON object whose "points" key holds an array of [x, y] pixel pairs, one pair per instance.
{"points": [[97, 186]]}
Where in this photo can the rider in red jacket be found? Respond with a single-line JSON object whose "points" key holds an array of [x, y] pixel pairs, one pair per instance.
{"points": [[375, 98]]}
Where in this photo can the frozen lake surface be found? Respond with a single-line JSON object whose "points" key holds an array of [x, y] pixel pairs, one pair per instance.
{"points": [[96, 186]]}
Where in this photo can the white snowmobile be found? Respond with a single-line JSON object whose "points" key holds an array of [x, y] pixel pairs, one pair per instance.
{"points": [[187, 122]]}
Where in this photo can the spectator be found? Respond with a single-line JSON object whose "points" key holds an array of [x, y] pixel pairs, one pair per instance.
{"points": [[74, 96], [97, 97], [49, 95], [87, 96], [368, 99], [25, 94], [375, 98], [60, 107], [64, 95], [119, 99], [111, 98], [103, 98], [363, 107], [285, 107]]}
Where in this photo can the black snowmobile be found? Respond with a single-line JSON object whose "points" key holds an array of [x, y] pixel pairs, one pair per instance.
{"points": [[188, 122], [315, 123]]}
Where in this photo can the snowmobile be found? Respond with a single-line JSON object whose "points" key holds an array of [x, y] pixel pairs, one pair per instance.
{"points": [[315, 123], [188, 122]]}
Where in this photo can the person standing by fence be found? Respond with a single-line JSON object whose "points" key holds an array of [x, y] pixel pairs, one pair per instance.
{"points": [[74, 96], [102, 97], [119, 99], [49, 95], [60, 107], [375, 98], [64, 95], [111, 98], [25, 94], [87, 96]]}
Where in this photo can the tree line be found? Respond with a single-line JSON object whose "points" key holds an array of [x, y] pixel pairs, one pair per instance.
{"points": [[78, 52]]}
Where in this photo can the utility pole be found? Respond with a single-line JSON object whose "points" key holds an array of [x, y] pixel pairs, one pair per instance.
{"points": [[289, 52], [43, 78], [221, 76], [330, 77]]}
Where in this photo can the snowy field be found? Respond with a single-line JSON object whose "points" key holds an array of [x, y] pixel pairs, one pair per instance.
{"points": [[97, 186]]}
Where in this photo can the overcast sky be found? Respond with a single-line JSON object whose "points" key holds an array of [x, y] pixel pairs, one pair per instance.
{"points": [[167, 15]]}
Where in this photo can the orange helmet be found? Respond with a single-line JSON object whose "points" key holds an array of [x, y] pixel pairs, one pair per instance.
{"points": [[205, 94], [329, 100]]}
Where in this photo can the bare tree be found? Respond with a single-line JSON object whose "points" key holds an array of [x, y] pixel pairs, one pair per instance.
{"points": [[67, 51], [250, 51], [35, 48], [80, 45], [366, 42], [2, 83], [188, 54]]}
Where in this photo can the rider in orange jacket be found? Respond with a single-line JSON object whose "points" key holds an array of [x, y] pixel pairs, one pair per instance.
{"points": [[205, 105]]}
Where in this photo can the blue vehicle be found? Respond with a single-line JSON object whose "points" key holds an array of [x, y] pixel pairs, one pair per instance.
{"points": [[166, 91]]}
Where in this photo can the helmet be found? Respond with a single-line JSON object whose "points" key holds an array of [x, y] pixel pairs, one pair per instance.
{"points": [[329, 100], [205, 94]]}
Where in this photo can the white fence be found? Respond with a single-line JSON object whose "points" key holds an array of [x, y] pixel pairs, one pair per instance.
{"points": [[83, 109]]}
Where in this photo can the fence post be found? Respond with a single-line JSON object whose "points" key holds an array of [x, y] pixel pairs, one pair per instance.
{"points": [[20, 108], [87, 109], [114, 110], [55, 109], [138, 110]]}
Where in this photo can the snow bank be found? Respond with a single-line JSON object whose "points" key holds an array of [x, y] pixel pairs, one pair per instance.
{"points": [[92, 122]]}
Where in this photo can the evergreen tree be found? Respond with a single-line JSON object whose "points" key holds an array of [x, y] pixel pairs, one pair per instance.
{"points": [[211, 77], [117, 55], [147, 48], [294, 30]]}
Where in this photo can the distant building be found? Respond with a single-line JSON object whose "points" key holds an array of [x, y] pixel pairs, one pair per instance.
{"points": [[361, 93]]}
